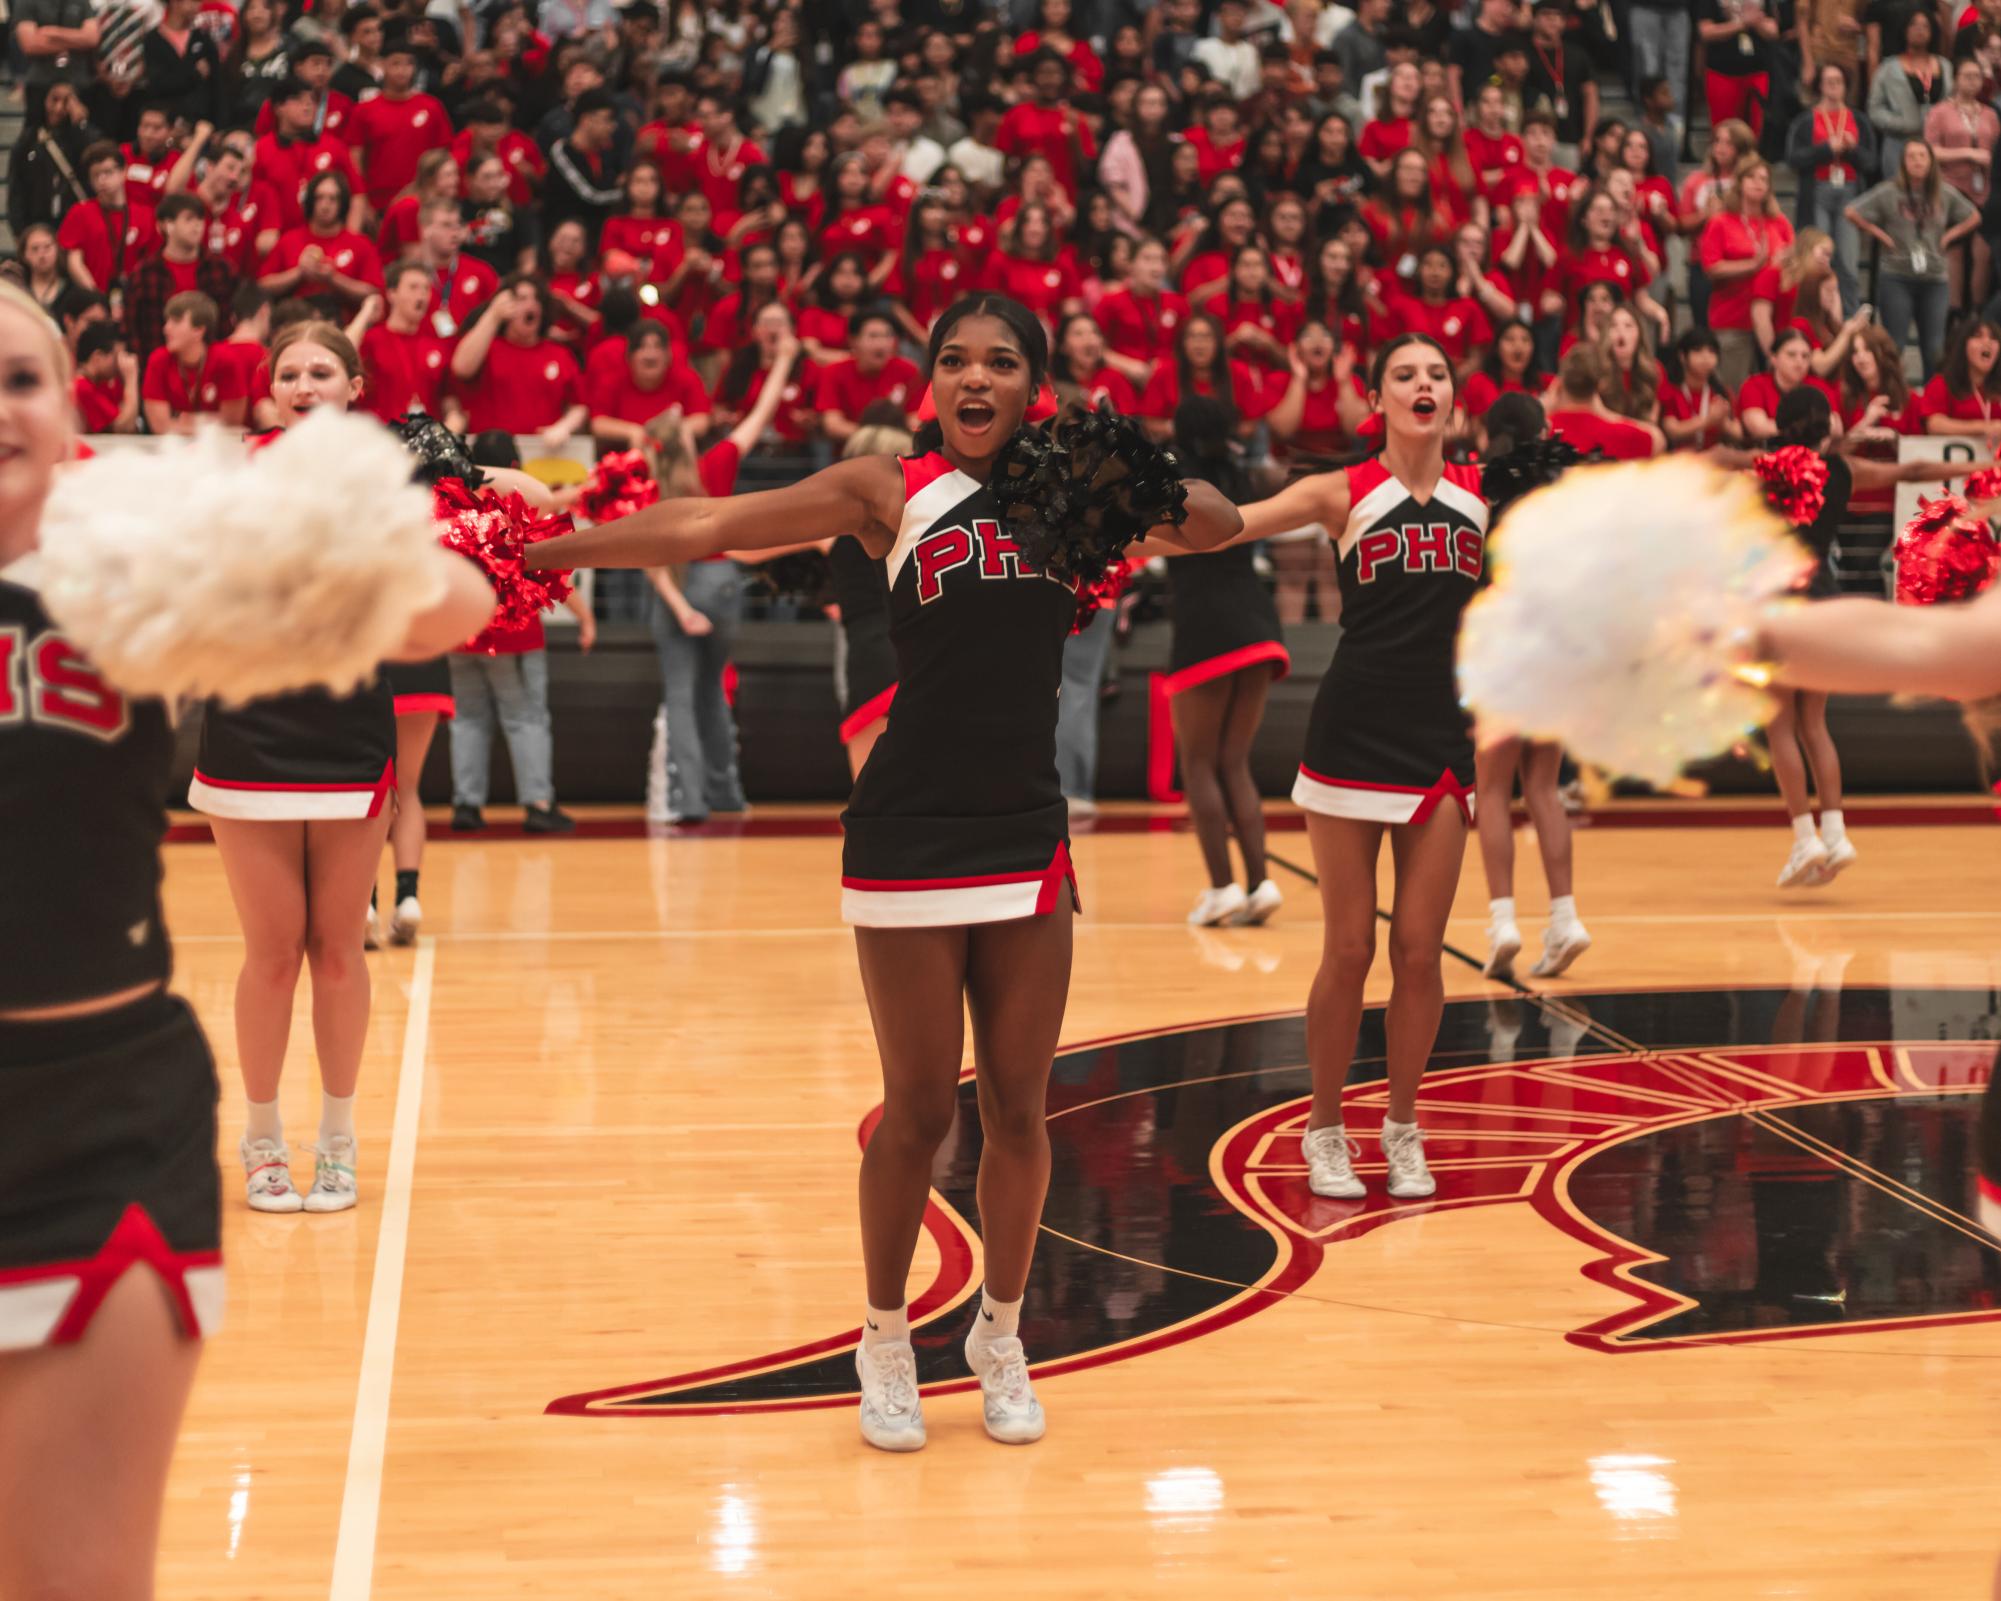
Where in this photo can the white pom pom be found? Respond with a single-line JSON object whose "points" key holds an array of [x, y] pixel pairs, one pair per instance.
{"points": [[196, 570], [1619, 595]]}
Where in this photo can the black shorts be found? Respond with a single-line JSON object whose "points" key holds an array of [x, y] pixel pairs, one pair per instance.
{"points": [[107, 1161], [424, 686]]}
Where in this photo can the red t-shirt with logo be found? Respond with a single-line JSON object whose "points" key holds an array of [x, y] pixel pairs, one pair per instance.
{"points": [[1042, 286], [1479, 392], [351, 254], [1321, 431], [389, 136], [98, 404], [1142, 327], [112, 242], [1622, 441], [845, 388], [1458, 324], [795, 419], [609, 389], [403, 372], [286, 167], [522, 388], [202, 391], [242, 368], [1247, 393], [1577, 270], [518, 153], [1032, 130], [233, 228], [146, 181]]}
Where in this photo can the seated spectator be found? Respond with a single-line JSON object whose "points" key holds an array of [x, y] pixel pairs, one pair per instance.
{"points": [[1320, 411], [1047, 125], [313, 66], [392, 131], [1594, 251], [1697, 412], [240, 358], [872, 372], [1142, 317], [1405, 218], [486, 135], [1965, 397], [728, 323], [855, 223], [404, 361], [1078, 370], [697, 280], [1258, 324], [324, 260], [181, 265], [575, 288], [402, 225], [1052, 32], [1508, 368], [107, 383], [742, 382], [1439, 309], [644, 230], [1033, 268], [1496, 153], [43, 274], [1217, 136], [1876, 406], [1759, 395], [840, 294], [1449, 169], [106, 237], [630, 383], [1632, 382], [1394, 121], [150, 157], [1579, 414], [1201, 365], [183, 382], [1206, 269], [461, 284], [298, 149], [512, 377], [930, 272]]}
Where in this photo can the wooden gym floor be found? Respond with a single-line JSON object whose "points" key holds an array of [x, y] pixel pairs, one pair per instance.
{"points": [[1697, 1312]]}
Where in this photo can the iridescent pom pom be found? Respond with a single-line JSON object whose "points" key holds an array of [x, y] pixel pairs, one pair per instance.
{"points": [[1620, 597], [1946, 552]]}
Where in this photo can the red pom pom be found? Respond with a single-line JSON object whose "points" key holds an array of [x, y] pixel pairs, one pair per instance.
{"points": [[619, 485], [495, 530], [1104, 592], [1947, 552], [1984, 485], [1795, 483]]}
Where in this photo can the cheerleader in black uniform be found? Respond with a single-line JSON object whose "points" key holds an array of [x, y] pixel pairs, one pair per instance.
{"points": [[107, 1088], [421, 695], [861, 590], [1228, 651], [1388, 749], [298, 789], [956, 870]]}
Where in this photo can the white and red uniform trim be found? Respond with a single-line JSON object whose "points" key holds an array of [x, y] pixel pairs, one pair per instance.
{"points": [[415, 705], [1369, 507], [266, 803], [1378, 803], [948, 902], [1231, 661], [53, 1303]]}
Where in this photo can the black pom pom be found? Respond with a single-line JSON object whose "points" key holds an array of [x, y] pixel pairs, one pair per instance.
{"points": [[802, 575], [1529, 466], [440, 453], [1074, 498]]}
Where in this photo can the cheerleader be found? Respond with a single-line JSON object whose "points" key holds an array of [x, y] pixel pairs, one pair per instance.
{"points": [[1228, 651], [107, 1087], [956, 868], [1388, 749], [866, 672], [421, 697]]}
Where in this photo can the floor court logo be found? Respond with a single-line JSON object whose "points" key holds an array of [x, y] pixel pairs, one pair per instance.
{"points": [[1745, 1165]]}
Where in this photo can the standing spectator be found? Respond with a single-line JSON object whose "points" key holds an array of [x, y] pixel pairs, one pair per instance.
{"points": [[324, 260], [183, 383], [1962, 132], [1394, 121], [1496, 153], [634, 382], [1142, 317], [721, 155], [1831, 148], [1469, 58], [1560, 80], [1737, 37], [182, 265], [1228, 57], [258, 60], [107, 383], [512, 376], [1660, 32], [390, 132], [360, 75], [583, 173], [1707, 190], [292, 153], [1906, 87], [1831, 32], [149, 158], [1917, 218], [404, 364], [182, 65], [59, 39], [242, 215], [873, 371], [106, 239], [498, 232], [45, 178], [1359, 46], [1738, 245], [1049, 126]]}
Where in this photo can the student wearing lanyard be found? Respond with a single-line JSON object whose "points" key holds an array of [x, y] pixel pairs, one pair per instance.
{"points": [[1917, 217], [1830, 147], [1962, 132], [1965, 398]]}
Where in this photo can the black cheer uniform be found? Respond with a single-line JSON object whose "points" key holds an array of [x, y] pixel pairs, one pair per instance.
{"points": [[1820, 534], [107, 1121], [1388, 738], [861, 590], [416, 687], [1224, 619], [958, 816]]}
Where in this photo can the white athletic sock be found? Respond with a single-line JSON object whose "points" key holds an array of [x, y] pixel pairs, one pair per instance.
{"points": [[1501, 909], [1803, 828], [1832, 828], [264, 1123], [884, 1328], [336, 1117], [998, 1320], [1562, 909]]}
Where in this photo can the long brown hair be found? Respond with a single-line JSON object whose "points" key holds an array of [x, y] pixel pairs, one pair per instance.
{"points": [[1453, 151], [1890, 381], [1631, 392]]}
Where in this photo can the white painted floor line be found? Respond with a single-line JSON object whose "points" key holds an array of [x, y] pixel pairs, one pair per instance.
{"points": [[361, 1500]]}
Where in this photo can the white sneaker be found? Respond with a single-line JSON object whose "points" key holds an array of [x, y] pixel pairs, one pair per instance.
{"points": [[1410, 1177], [1330, 1164], [1562, 944], [1504, 944], [1840, 857], [371, 933], [892, 1418], [268, 1177], [333, 1177], [1081, 808], [1013, 1415], [405, 921], [1259, 905], [1218, 906], [1804, 867]]}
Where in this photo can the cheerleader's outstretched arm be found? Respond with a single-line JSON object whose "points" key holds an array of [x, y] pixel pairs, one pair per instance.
{"points": [[1322, 499], [863, 497], [1213, 521], [1863, 647]]}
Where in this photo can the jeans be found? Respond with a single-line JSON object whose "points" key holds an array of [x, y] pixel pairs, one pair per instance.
{"points": [[702, 772], [1660, 43], [514, 688], [1084, 657], [1899, 300], [1828, 213]]}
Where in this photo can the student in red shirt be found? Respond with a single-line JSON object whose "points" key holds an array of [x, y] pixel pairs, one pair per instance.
{"points": [[855, 223], [644, 231], [1395, 121], [1580, 416], [872, 372], [1738, 246], [1439, 310], [1759, 395], [1323, 404], [1258, 325], [1141, 318], [149, 159], [1965, 397], [107, 382], [182, 382], [1404, 219], [1508, 369], [721, 155], [631, 383], [1077, 364], [106, 238], [324, 261], [1593, 252], [511, 376], [1455, 185], [930, 273], [461, 284], [1335, 296], [404, 364], [292, 152], [1201, 366], [1697, 412], [1876, 406], [486, 133], [398, 230], [1049, 126], [1052, 33], [1632, 386], [180, 266], [242, 212], [1287, 244], [837, 298], [576, 288], [313, 66], [728, 323], [1032, 268], [1218, 138], [241, 357], [389, 132], [743, 381], [1235, 224], [1496, 154]]}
